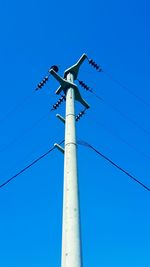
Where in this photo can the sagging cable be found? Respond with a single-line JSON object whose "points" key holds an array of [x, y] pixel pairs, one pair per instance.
{"points": [[83, 143]]}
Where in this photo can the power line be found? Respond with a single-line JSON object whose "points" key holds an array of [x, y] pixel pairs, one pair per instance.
{"points": [[20, 136], [87, 88], [22, 102], [28, 166], [126, 89], [113, 163], [124, 115], [26, 131], [110, 131], [18, 105], [100, 69]]}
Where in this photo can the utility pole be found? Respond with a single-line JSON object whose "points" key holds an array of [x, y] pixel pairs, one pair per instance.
{"points": [[71, 242]]}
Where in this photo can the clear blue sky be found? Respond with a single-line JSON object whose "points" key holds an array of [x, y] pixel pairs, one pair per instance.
{"points": [[114, 210]]}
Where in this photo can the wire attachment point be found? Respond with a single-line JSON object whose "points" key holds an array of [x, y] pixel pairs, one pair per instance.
{"points": [[95, 65], [85, 86], [42, 83], [58, 103], [78, 117]]}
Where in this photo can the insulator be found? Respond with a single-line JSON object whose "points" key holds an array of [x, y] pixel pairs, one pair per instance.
{"points": [[40, 85], [96, 66], [63, 98], [57, 104], [81, 83], [77, 118], [85, 86], [54, 106]]}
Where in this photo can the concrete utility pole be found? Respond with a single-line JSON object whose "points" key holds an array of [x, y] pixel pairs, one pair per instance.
{"points": [[71, 245]]}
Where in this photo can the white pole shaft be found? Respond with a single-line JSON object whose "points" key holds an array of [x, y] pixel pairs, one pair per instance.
{"points": [[71, 250]]}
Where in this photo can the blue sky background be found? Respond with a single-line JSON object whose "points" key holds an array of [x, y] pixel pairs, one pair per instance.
{"points": [[114, 210]]}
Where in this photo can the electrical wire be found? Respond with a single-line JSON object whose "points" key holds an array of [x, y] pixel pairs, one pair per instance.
{"points": [[26, 131], [28, 166], [20, 136], [124, 115], [100, 69], [22, 102], [110, 131], [126, 89], [18, 105], [97, 96], [83, 143]]}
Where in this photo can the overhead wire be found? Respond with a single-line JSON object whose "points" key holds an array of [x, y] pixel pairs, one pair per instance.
{"points": [[21, 103], [20, 136], [83, 143], [123, 114], [127, 89], [99, 68], [123, 140], [27, 156], [28, 166]]}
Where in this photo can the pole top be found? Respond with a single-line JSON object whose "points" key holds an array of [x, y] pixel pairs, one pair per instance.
{"points": [[65, 84], [75, 68]]}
